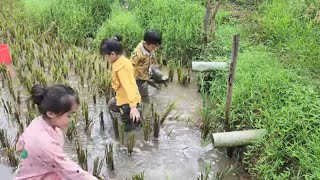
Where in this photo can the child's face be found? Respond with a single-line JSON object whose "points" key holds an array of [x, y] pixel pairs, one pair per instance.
{"points": [[62, 121], [151, 47]]}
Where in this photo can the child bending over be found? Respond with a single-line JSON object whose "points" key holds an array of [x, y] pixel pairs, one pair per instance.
{"points": [[41, 144]]}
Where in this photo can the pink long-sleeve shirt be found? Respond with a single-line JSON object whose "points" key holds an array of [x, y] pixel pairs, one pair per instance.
{"points": [[46, 159]]}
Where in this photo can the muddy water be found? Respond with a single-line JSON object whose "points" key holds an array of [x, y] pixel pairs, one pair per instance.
{"points": [[177, 154]]}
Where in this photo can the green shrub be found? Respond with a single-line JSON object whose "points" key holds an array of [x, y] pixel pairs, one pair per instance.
{"points": [[179, 21], [124, 23]]}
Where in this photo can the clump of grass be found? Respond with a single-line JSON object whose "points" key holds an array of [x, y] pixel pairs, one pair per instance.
{"points": [[19, 98], [88, 122], [82, 156], [94, 97], [21, 128], [130, 143], [156, 125], [7, 107], [40, 77], [167, 112], [183, 78], [30, 117], [218, 175], [116, 126], [10, 86], [221, 175], [152, 109], [82, 80], [13, 159], [71, 131], [17, 116], [171, 67], [205, 175], [65, 72], [97, 166], [4, 139], [122, 133], [101, 121], [103, 84], [139, 176], [109, 156], [146, 129], [205, 127]]}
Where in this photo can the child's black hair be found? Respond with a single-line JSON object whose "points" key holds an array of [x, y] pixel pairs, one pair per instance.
{"points": [[110, 45], [152, 36], [57, 98]]}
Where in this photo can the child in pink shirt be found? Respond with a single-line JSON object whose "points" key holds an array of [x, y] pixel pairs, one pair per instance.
{"points": [[41, 144]]}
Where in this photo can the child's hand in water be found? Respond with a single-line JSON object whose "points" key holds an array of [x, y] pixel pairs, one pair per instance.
{"points": [[134, 114]]}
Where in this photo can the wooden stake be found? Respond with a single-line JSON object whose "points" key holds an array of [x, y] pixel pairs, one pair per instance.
{"points": [[213, 17], [206, 21], [234, 58]]}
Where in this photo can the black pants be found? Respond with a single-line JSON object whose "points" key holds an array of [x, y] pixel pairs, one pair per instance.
{"points": [[143, 89], [124, 111]]}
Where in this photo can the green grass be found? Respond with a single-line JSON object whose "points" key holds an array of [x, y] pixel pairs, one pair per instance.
{"points": [[267, 95], [291, 29], [124, 23], [74, 20], [71, 20], [179, 21]]}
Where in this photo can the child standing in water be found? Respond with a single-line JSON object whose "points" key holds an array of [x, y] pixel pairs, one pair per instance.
{"points": [[41, 144], [123, 82], [143, 57]]}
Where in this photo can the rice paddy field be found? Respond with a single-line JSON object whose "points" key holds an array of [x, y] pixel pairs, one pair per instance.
{"points": [[276, 85]]}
